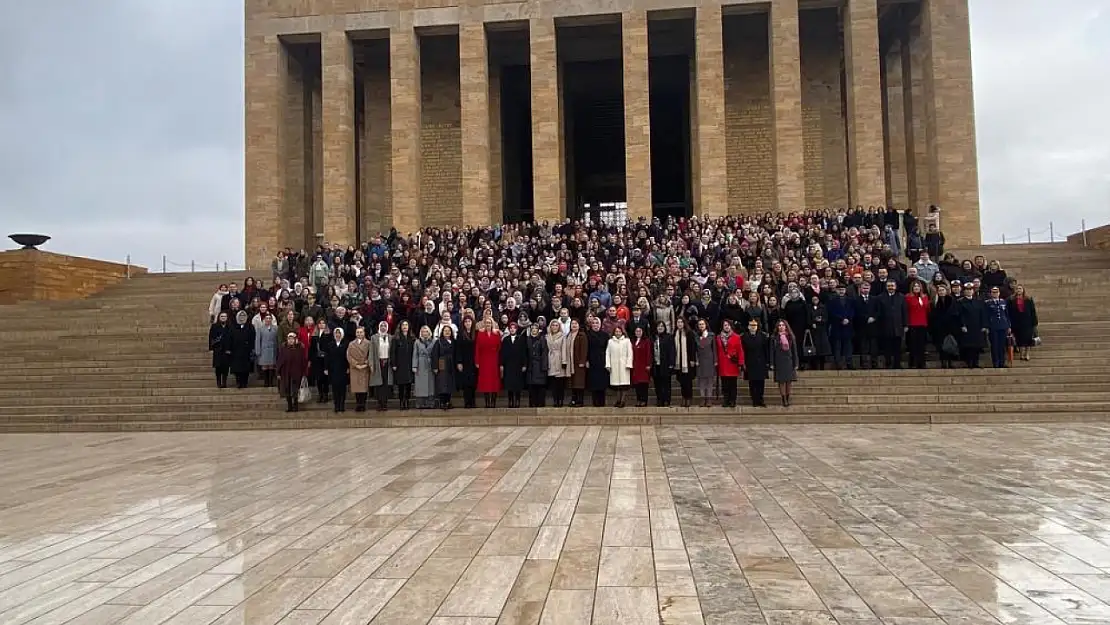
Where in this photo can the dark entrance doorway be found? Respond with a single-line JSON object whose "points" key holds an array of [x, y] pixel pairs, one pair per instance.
{"points": [[670, 136], [593, 108]]}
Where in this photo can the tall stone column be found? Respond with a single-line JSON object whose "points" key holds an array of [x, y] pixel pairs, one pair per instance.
{"points": [[404, 117], [637, 114], [340, 168], [950, 119], [474, 85], [711, 183], [898, 148], [786, 99], [866, 161], [264, 130], [548, 169]]}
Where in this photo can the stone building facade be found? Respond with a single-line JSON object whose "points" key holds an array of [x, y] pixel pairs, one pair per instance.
{"points": [[362, 115]]}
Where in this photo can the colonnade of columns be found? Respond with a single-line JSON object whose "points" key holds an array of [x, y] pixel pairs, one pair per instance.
{"points": [[946, 99]]}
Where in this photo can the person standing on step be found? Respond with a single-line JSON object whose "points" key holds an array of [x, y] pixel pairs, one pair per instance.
{"points": [[685, 360], [537, 366], [918, 306], [597, 376], [892, 325], [514, 364], [1023, 321], [467, 377], [444, 365], [401, 363], [220, 344], [557, 366], [784, 360], [756, 354], [868, 317], [730, 359], [358, 357], [291, 368], [642, 357], [818, 333], [971, 315], [265, 349], [663, 361], [487, 357], [998, 323], [619, 362], [706, 353], [424, 381], [381, 344], [337, 369], [242, 349], [576, 352], [317, 353]]}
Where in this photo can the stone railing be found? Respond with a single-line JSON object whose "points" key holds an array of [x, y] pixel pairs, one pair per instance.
{"points": [[34, 275]]}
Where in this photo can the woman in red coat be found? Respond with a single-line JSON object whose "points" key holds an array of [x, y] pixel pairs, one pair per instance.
{"points": [[642, 358], [487, 357], [730, 359], [918, 307]]}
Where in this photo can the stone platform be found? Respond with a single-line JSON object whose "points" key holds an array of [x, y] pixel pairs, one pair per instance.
{"points": [[687, 525]]}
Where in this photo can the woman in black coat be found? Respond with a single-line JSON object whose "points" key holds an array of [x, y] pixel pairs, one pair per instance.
{"points": [[466, 378], [242, 349], [514, 364], [537, 367], [685, 360], [943, 324], [400, 360], [445, 364], [337, 368], [971, 317], [663, 363], [597, 376], [756, 362], [796, 312], [317, 356], [1023, 321], [219, 343], [818, 330]]}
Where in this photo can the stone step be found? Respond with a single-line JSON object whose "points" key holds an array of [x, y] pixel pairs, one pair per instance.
{"points": [[554, 417]]}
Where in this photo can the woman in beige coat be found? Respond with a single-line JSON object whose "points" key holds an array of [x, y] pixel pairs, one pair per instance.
{"points": [[358, 357], [558, 369]]}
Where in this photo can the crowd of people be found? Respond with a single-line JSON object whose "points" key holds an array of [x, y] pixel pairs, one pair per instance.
{"points": [[559, 311]]}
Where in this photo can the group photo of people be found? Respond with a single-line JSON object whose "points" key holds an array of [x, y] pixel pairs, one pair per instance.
{"points": [[586, 314]]}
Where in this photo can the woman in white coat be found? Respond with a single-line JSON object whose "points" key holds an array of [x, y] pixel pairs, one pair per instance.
{"points": [[618, 360]]}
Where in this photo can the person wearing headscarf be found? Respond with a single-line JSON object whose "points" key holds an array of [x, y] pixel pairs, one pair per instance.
{"points": [[537, 366], [265, 349], [337, 368], [358, 357], [291, 368], [706, 350], [424, 385], [401, 362], [444, 365], [220, 344], [557, 366], [380, 369], [242, 349]]}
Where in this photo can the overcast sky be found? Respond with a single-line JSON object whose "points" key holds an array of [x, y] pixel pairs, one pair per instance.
{"points": [[121, 123]]}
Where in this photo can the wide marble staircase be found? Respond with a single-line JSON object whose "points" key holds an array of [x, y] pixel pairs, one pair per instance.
{"points": [[134, 358]]}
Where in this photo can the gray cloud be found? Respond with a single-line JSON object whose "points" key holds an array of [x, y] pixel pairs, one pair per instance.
{"points": [[121, 122]]}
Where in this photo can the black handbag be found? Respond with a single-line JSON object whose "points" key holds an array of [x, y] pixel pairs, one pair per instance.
{"points": [[809, 349]]}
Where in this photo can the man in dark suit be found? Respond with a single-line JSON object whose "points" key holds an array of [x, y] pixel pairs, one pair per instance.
{"points": [[892, 325], [868, 316]]}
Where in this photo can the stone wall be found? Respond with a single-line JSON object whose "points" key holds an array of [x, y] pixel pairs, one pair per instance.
{"points": [[440, 132], [376, 185], [34, 275], [1096, 237], [751, 176]]}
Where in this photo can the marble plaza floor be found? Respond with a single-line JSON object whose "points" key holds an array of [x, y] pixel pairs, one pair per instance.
{"points": [[799, 525]]}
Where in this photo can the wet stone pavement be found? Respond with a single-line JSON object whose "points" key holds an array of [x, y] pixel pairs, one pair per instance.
{"points": [[683, 525]]}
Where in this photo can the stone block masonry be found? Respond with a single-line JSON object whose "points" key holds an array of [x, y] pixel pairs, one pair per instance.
{"points": [[793, 105]]}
